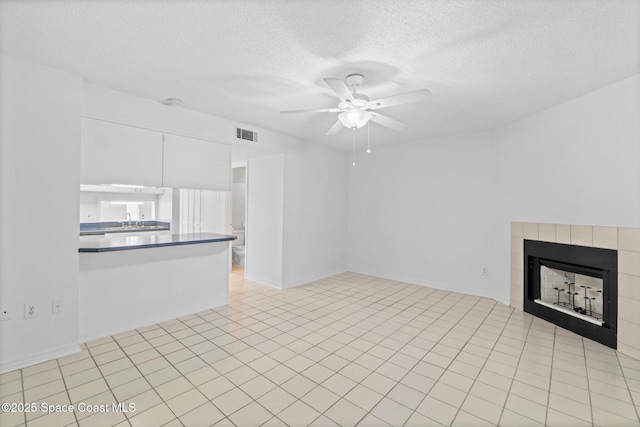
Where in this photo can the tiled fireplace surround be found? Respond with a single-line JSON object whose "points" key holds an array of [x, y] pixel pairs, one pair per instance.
{"points": [[625, 240]]}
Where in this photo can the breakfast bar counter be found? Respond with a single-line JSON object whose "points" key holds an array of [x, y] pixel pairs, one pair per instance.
{"points": [[134, 281], [102, 244]]}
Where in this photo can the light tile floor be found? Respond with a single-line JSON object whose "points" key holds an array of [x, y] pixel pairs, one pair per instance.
{"points": [[348, 350]]}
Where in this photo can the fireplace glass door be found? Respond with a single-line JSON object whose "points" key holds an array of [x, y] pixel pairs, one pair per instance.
{"points": [[576, 294]]}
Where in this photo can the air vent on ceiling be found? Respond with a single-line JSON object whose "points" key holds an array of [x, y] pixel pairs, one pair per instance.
{"points": [[249, 135]]}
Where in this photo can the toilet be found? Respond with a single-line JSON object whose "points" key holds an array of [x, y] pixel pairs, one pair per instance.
{"points": [[237, 248]]}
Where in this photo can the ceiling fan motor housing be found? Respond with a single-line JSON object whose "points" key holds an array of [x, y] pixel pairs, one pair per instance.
{"points": [[360, 101], [354, 80]]}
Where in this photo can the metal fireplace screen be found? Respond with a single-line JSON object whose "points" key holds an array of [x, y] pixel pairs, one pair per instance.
{"points": [[574, 287], [578, 295]]}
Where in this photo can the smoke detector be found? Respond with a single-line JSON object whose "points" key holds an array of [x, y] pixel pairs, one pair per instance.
{"points": [[172, 102]]}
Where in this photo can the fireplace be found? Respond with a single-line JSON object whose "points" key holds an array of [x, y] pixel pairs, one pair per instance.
{"points": [[574, 287]]}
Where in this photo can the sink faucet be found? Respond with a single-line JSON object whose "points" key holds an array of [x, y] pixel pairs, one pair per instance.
{"points": [[128, 217]]}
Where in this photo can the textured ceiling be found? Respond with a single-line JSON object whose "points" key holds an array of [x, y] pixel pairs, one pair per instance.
{"points": [[486, 62]]}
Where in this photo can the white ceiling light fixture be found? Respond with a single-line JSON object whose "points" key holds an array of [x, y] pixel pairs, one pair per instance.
{"points": [[354, 119], [355, 108]]}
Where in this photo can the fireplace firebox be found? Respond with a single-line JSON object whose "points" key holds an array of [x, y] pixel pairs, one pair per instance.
{"points": [[574, 287]]}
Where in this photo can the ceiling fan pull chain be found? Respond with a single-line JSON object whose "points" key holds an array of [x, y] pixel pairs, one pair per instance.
{"points": [[368, 137], [354, 146]]}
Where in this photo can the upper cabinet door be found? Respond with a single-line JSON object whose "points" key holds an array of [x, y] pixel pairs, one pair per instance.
{"points": [[194, 163], [120, 154]]}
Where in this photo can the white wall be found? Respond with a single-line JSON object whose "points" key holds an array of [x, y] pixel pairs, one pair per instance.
{"points": [[424, 212], [40, 110], [435, 212], [264, 238], [576, 163], [315, 214], [121, 107]]}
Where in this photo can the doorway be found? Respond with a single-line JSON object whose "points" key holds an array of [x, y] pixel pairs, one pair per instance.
{"points": [[239, 219]]}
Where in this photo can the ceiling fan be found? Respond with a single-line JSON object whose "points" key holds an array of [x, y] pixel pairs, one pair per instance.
{"points": [[356, 110]]}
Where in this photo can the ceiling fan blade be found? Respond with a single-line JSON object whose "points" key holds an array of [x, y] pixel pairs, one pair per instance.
{"points": [[335, 128], [340, 88], [403, 98], [387, 122], [315, 110]]}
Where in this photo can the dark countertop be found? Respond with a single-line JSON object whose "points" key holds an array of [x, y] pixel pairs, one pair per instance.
{"points": [[100, 244], [99, 228]]}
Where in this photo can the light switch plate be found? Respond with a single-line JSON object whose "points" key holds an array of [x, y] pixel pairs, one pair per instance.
{"points": [[56, 306]]}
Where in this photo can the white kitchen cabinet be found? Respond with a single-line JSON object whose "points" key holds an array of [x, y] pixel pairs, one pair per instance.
{"points": [[195, 163], [119, 154]]}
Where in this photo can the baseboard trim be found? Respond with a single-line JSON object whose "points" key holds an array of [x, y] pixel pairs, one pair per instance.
{"points": [[107, 333], [314, 278], [503, 299], [263, 281], [54, 353]]}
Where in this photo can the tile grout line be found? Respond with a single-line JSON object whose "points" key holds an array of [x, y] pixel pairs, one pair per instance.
{"points": [[91, 355], [386, 360], [586, 370], [633, 403], [336, 372], [553, 358], [452, 359], [436, 343], [484, 364], [24, 395], [504, 407], [173, 366], [102, 376], [66, 389], [142, 376]]}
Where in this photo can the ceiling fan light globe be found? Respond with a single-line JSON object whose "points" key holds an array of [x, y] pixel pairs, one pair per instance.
{"points": [[354, 119]]}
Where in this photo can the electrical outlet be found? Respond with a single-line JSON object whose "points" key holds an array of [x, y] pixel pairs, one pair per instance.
{"points": [[30, 311], [56, 306], [485, 271], [5, 312]]}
